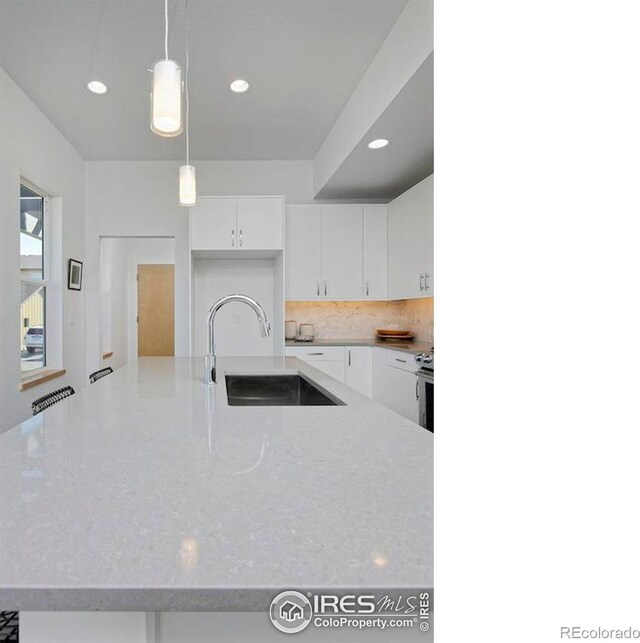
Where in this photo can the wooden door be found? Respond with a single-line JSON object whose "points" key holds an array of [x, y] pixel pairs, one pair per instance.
{"points": [[156, 310]]}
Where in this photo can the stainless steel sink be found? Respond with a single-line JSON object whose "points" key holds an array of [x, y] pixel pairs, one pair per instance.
{"points": [[275, 390]]}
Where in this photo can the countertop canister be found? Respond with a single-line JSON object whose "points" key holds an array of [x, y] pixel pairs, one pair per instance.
{"points": [[290, 329]]}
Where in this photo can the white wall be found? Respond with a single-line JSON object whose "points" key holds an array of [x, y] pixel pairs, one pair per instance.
{"points": [[237, 329], [114, 318], [140, 198], [31, 147]]}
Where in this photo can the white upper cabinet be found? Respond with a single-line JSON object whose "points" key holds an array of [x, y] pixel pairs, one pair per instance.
{"points": [[374, 243], [227, 223], [342, 252], [410, 243], [303, 257], [336, 252], [213, 223], [260, 223]]}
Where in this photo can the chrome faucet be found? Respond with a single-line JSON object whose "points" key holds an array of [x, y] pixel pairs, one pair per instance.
{"points": [[265, 330]]}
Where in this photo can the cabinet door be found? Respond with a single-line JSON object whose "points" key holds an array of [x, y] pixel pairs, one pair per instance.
{"points": [[260, 223], [303, 255], [410, 241], [342, 252], [374, 236], [429, 263], [394, 387], [213, 224], [359, 369], [328, 359], [333, 369]]}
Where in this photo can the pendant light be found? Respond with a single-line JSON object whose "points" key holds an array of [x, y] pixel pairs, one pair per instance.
{"points": [[187, 176], [166, 91]]}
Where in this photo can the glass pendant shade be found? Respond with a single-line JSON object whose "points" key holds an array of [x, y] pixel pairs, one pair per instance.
{"points": [[187, 185], [166, 99]]}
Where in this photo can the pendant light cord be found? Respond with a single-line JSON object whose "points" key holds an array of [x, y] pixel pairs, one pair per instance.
{"points": [[95, 50], [166, 29], [186, 72]]}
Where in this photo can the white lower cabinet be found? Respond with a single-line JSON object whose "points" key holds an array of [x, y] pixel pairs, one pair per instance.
{"points": [[349, 364], [335, 369], [328, 359], [358, 370], [82, 627], [395, 382]]}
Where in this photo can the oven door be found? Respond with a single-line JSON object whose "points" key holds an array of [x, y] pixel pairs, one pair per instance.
{"points": [[425, 399]]}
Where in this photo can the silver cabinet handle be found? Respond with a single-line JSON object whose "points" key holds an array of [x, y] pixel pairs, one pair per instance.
{"points": [[366, 285], [349, 357], [318, 286], [315, 353], [427, 280], [233, 238], [325, 288], [241, 237], [421, 282], [417, 390], [404, 361]]}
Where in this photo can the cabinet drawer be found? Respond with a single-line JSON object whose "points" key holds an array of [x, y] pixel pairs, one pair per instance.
{"points": [[316, 353], [399, 359]]}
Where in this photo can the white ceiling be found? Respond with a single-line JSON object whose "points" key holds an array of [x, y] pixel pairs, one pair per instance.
{"points": [[385, 173], [303, 59]]}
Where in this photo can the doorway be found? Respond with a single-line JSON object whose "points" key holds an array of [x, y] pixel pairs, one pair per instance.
{"points": [[123, 260], [156, 306]]}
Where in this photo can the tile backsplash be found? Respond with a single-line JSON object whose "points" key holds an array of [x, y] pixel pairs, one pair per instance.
{"points": [[360, 319]]}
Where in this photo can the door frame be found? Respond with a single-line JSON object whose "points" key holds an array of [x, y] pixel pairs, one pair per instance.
{"points": [[133, 300]]}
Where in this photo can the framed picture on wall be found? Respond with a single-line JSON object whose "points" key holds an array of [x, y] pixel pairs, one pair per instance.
{"points": [[74, 277]]}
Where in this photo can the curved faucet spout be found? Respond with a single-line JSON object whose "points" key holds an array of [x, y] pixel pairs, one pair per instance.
{"points": [[265, 329]]}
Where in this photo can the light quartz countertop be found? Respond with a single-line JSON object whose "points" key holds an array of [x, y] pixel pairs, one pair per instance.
{"points": [[146, 491], [407, 346]]}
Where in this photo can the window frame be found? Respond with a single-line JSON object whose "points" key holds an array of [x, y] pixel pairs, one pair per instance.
{"points": [[45, 281]]}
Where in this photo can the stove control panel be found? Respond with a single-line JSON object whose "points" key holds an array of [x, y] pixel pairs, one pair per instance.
{"points": [[424, 358]]}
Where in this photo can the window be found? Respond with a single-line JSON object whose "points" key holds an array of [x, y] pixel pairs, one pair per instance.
{"points": [[33, 280]]}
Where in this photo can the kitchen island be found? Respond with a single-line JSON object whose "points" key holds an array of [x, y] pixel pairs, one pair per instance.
{"points": [[148, 491]]}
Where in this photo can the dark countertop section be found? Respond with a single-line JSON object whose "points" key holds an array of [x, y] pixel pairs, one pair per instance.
{"points": [[407, 346]]}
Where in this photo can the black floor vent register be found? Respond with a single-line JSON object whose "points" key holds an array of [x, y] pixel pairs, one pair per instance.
{"points": [[9, 627]]}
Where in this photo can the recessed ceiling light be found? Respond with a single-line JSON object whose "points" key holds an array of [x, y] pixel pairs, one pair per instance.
{"points": [[97, 87], [239, 86], [378, 143]]}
